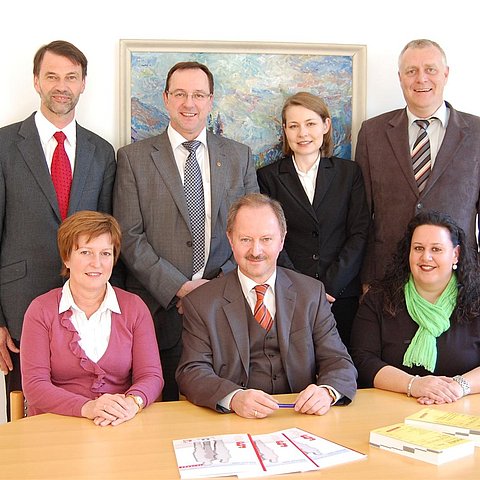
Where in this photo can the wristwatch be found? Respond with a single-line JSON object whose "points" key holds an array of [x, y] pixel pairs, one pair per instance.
{"points": [[463, 383], [138, 400]]}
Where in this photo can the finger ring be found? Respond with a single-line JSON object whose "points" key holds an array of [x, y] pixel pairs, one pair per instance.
{"points": [[255, 413]]}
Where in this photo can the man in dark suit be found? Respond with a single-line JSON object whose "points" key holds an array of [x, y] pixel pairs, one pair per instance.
{"points": [[241, 346], [161, 241], [29, 208], [404, 174]]}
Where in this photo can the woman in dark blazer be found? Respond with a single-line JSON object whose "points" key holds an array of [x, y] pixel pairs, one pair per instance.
{"points": [[325, 205]]}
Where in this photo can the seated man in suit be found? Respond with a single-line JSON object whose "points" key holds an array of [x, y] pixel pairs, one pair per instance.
{"points": [[262, 330]]}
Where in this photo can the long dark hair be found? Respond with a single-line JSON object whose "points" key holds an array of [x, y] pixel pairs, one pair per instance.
{"points": [[398, 271]]}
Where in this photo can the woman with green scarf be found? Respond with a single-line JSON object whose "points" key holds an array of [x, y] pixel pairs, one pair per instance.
{"points": [[418, 329]]}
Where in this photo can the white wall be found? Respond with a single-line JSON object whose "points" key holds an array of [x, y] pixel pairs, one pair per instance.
{"points": [[96, 27]]}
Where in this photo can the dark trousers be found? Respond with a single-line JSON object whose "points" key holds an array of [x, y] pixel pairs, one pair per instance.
{"points": [[13, 380], [344, 311], [170, 359]]}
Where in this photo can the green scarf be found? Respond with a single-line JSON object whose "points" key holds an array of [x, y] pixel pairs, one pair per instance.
{"points": [[432, 318]]}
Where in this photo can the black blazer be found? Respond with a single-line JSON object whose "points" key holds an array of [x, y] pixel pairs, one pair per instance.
{"points": [[325, 240]]}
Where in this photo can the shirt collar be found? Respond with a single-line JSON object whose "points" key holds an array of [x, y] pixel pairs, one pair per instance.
{"points": [[46, 129], [110, 301], [312, 170], [176, 139], [441, 113], [248, 284]]}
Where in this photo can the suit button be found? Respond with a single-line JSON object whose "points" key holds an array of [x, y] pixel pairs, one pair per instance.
{"points": [[419, 206], [315, 256], [189, 243], [315, 234], [317, 276]]}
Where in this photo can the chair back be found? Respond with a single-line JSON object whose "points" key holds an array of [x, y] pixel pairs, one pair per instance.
{"points": [[17, 405]]}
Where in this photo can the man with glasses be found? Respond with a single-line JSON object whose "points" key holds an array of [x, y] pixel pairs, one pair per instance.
{"points": [[173, 233]]}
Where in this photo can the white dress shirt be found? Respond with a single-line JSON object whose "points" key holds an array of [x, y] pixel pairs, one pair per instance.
{"points": [[95, 331], [46, 131], [248, 289], [181, 153], [308, 179]]}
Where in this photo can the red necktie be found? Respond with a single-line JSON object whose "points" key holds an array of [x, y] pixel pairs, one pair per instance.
{"points": [[61, 174], [261, 313]]}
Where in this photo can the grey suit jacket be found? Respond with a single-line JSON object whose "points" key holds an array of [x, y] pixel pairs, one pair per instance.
{"points": [[150, 204], [29, 215], [453, 186], [216, 353]]}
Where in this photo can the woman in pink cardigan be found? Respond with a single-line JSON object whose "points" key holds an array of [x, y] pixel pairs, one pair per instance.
{"points": [[89, 349]]}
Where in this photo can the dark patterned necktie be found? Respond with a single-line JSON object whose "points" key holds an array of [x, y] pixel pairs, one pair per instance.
{"points": [[421, 157], [193, 187], [261, 313], [61, 172]]}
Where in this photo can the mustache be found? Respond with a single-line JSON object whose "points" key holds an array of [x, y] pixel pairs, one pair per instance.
{"points": [[65, 93], [257, 257]]}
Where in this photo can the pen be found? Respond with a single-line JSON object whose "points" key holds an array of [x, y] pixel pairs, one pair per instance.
{"points": [[286, 405]]}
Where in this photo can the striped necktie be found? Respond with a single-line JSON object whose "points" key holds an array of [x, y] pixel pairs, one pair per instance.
{"points": [[421, 157], [261, 313]]}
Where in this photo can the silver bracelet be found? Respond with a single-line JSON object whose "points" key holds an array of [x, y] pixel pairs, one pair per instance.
{"points": [[410, 383], [463, 383]]}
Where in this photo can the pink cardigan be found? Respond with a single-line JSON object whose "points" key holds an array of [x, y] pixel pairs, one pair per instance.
{"points": [[59, 378]]}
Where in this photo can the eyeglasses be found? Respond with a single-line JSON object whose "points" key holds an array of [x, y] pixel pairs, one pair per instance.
{"points": [[181, 95]]}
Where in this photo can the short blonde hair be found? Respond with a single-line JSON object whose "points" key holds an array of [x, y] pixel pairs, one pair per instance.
{"points": [[90, 223]]}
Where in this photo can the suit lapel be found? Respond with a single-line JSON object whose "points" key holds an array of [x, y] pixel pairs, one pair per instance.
{"points": [[162, 157], [289, 178], [285, 299], [31, 149], [326, 174], [398, 137], [235, 312], [217, 156], [455, 135], [84, 155]]}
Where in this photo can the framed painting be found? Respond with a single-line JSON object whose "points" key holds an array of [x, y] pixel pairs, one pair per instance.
{"points": [[252, 81]]}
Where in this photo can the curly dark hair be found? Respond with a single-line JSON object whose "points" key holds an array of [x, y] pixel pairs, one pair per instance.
{"points": [[398, 271]]}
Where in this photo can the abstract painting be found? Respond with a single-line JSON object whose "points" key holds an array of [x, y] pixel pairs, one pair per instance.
{"points": [[252, 81]]}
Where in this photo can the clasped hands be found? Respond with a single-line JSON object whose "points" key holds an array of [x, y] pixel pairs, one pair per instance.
{"points": [[431, 390], [314, 400], [110, 409]]}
